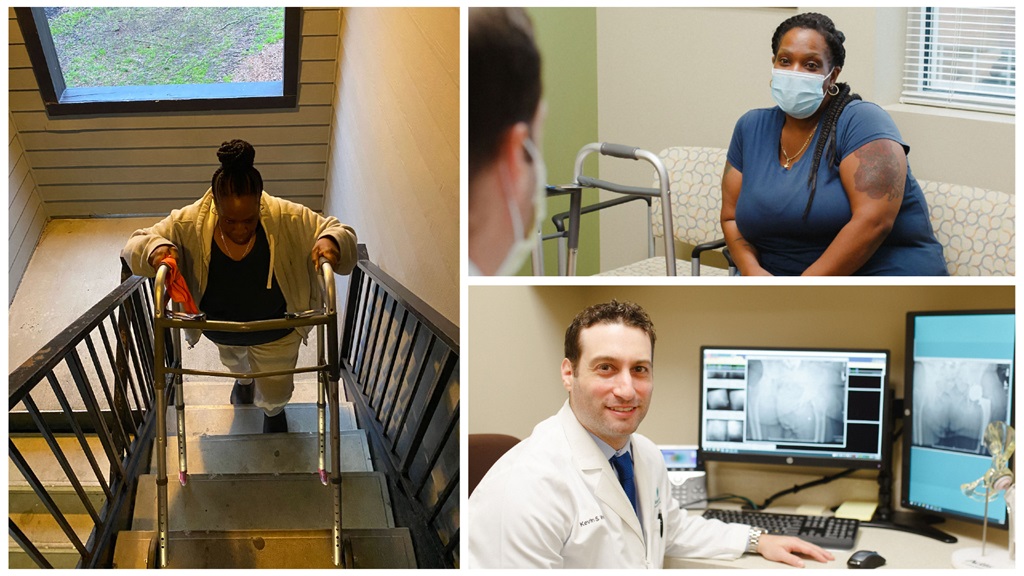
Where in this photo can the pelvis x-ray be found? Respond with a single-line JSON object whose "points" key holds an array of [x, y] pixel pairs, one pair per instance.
{"points": [[796, 400], [954, 401], [723, 399]]}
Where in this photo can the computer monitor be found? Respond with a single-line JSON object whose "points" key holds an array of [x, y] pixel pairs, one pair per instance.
{"points": [[790, 406], [959, 378]]}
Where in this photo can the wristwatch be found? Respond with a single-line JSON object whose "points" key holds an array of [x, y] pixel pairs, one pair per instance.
{"points": [[753, 538]]}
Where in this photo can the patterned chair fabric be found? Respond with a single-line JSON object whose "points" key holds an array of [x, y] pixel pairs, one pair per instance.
{"points": [[695, 183], [975, 227]]}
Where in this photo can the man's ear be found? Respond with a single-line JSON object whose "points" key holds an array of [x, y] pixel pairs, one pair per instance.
{"points": [[512, 163], [567, 374]]}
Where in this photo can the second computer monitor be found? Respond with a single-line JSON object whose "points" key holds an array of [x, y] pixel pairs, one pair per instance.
{"points": [[814, 407]]}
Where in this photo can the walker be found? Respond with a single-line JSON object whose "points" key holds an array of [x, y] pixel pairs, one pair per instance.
{"points": [[328, 374]]}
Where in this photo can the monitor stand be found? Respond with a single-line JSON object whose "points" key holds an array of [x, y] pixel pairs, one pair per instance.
{"points": [[919, 524], [912, 522]]}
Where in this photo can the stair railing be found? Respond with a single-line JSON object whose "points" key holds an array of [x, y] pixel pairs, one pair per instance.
{"points": [[170, 377], [95, 377], [401, 372]]}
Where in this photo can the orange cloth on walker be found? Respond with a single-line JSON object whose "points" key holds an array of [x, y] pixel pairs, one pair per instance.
{"points": [[177, 288]]}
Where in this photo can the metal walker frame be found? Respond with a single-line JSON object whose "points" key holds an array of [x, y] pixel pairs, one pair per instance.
{"points": [[328, 375]]}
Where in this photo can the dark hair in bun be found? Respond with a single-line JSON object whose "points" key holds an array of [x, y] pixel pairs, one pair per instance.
{"points": [[236, 175]]}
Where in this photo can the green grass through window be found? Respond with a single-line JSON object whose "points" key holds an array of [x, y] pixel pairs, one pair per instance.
{"points": [[156, 46]]}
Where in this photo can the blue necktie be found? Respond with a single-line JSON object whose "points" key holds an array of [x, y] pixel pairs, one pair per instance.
{"points": [[624, 468]]}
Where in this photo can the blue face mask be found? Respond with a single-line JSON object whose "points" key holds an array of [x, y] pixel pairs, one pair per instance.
{"points": [[799, 94]]}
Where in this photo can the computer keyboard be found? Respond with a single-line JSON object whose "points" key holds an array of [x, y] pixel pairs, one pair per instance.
{"points": [[825, 531]]}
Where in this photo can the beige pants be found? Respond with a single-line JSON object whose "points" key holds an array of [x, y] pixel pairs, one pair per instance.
{"points": [[272, 393]]}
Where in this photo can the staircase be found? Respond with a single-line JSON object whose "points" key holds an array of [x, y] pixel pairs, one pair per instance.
{"points": [[255, 500], [82, 474]]}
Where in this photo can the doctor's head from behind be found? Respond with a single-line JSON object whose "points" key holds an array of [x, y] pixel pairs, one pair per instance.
{"points": [[608, 369], [506, 170]]}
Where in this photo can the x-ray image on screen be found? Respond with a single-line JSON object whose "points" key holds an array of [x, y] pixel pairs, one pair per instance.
{"points": [[725, 430], [955, 399], [798, 400], [722, 399]]}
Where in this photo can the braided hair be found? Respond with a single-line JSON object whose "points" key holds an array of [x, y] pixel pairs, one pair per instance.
{"points": [[834, 40], [236, 175]]}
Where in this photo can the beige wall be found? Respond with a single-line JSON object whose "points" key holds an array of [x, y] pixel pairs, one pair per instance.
{"points": [[517, 333], [683, 76], [26, 213], [153, 163], [394, 158]]}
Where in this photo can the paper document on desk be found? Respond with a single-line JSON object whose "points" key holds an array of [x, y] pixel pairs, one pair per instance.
{"points": [[859, 510]]}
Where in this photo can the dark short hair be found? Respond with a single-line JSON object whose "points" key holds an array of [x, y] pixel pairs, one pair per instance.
{"points": [[236, 176], [504, 78], [614, 312], [820, 23]]}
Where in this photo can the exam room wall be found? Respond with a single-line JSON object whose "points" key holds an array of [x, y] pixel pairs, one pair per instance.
{"points": [[567, 41], [518, 334], [683, 76], [393, 171]]}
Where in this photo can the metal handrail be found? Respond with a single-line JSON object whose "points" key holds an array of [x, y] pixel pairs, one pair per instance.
{"points": [[401, 358], [117, 409], [327, 369]]}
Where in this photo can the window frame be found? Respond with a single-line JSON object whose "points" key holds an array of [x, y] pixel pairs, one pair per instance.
{"points": [[922, 82], [62, 101]]}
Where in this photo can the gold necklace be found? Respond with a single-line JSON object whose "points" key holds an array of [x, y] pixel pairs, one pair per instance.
{"points": [[225, 242], [789, 159]]}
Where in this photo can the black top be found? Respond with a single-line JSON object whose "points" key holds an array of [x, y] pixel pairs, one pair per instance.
{"points": [[237, 291]]}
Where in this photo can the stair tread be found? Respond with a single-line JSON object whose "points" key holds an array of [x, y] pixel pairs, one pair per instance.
{"points": [[285, 501], [212, 393], [44, 464], [371, 548], [266, 453], [43, 531], [227, 419]]}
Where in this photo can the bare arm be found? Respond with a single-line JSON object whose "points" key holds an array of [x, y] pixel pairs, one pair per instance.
{"points": [[873, 177], [743, 253]]}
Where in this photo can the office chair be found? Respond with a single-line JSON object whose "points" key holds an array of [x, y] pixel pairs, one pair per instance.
{"points": [[484, 451]]}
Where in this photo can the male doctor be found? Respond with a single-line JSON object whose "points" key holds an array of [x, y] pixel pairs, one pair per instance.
{"points": [[584, 491]]}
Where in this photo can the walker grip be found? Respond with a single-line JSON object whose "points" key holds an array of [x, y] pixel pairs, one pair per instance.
{"points": [[619, 150]]}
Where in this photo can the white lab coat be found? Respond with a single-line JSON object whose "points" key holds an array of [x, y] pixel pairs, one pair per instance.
{"points": [[554, 501]]}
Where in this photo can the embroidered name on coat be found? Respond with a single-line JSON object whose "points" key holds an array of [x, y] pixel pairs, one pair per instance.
{"points": [[597, 518]]}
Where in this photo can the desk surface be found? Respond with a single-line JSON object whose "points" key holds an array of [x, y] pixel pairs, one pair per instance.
{"points": [[900, 549]]}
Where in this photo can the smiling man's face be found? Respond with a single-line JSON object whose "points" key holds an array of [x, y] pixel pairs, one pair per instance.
{"points": [[611, 386]]}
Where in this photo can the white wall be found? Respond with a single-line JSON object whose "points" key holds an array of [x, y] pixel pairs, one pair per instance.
{"points": [[683, 76], [393, 171]]}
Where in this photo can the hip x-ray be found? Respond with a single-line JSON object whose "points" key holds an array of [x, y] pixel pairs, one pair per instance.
{"points": [[796, 400], [956, 399]]}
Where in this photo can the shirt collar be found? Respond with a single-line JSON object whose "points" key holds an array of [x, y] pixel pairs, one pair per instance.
{"points": [[607, 450]]}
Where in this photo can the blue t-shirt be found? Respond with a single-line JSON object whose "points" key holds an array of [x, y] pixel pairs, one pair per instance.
{"points": [[770, 209]]}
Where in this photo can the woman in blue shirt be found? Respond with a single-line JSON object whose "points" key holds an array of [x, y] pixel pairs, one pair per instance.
{"points": [[820, 184]]}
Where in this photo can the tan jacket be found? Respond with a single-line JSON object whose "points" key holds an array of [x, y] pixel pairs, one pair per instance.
{"points": [[291, 229]]}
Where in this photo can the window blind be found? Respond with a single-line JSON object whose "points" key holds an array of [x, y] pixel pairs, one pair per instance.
{"points": [[961, 58]]}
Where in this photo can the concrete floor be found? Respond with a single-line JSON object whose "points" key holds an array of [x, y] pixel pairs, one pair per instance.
{"points": [[76, 264]]}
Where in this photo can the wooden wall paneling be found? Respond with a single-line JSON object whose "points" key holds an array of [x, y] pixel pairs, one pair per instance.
{"points": [[143, 207], [266, 155], [37, 121], [181, 192], [117, 174]]}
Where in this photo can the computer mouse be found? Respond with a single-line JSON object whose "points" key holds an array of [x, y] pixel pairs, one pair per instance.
{"points": [[865, 559]]}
